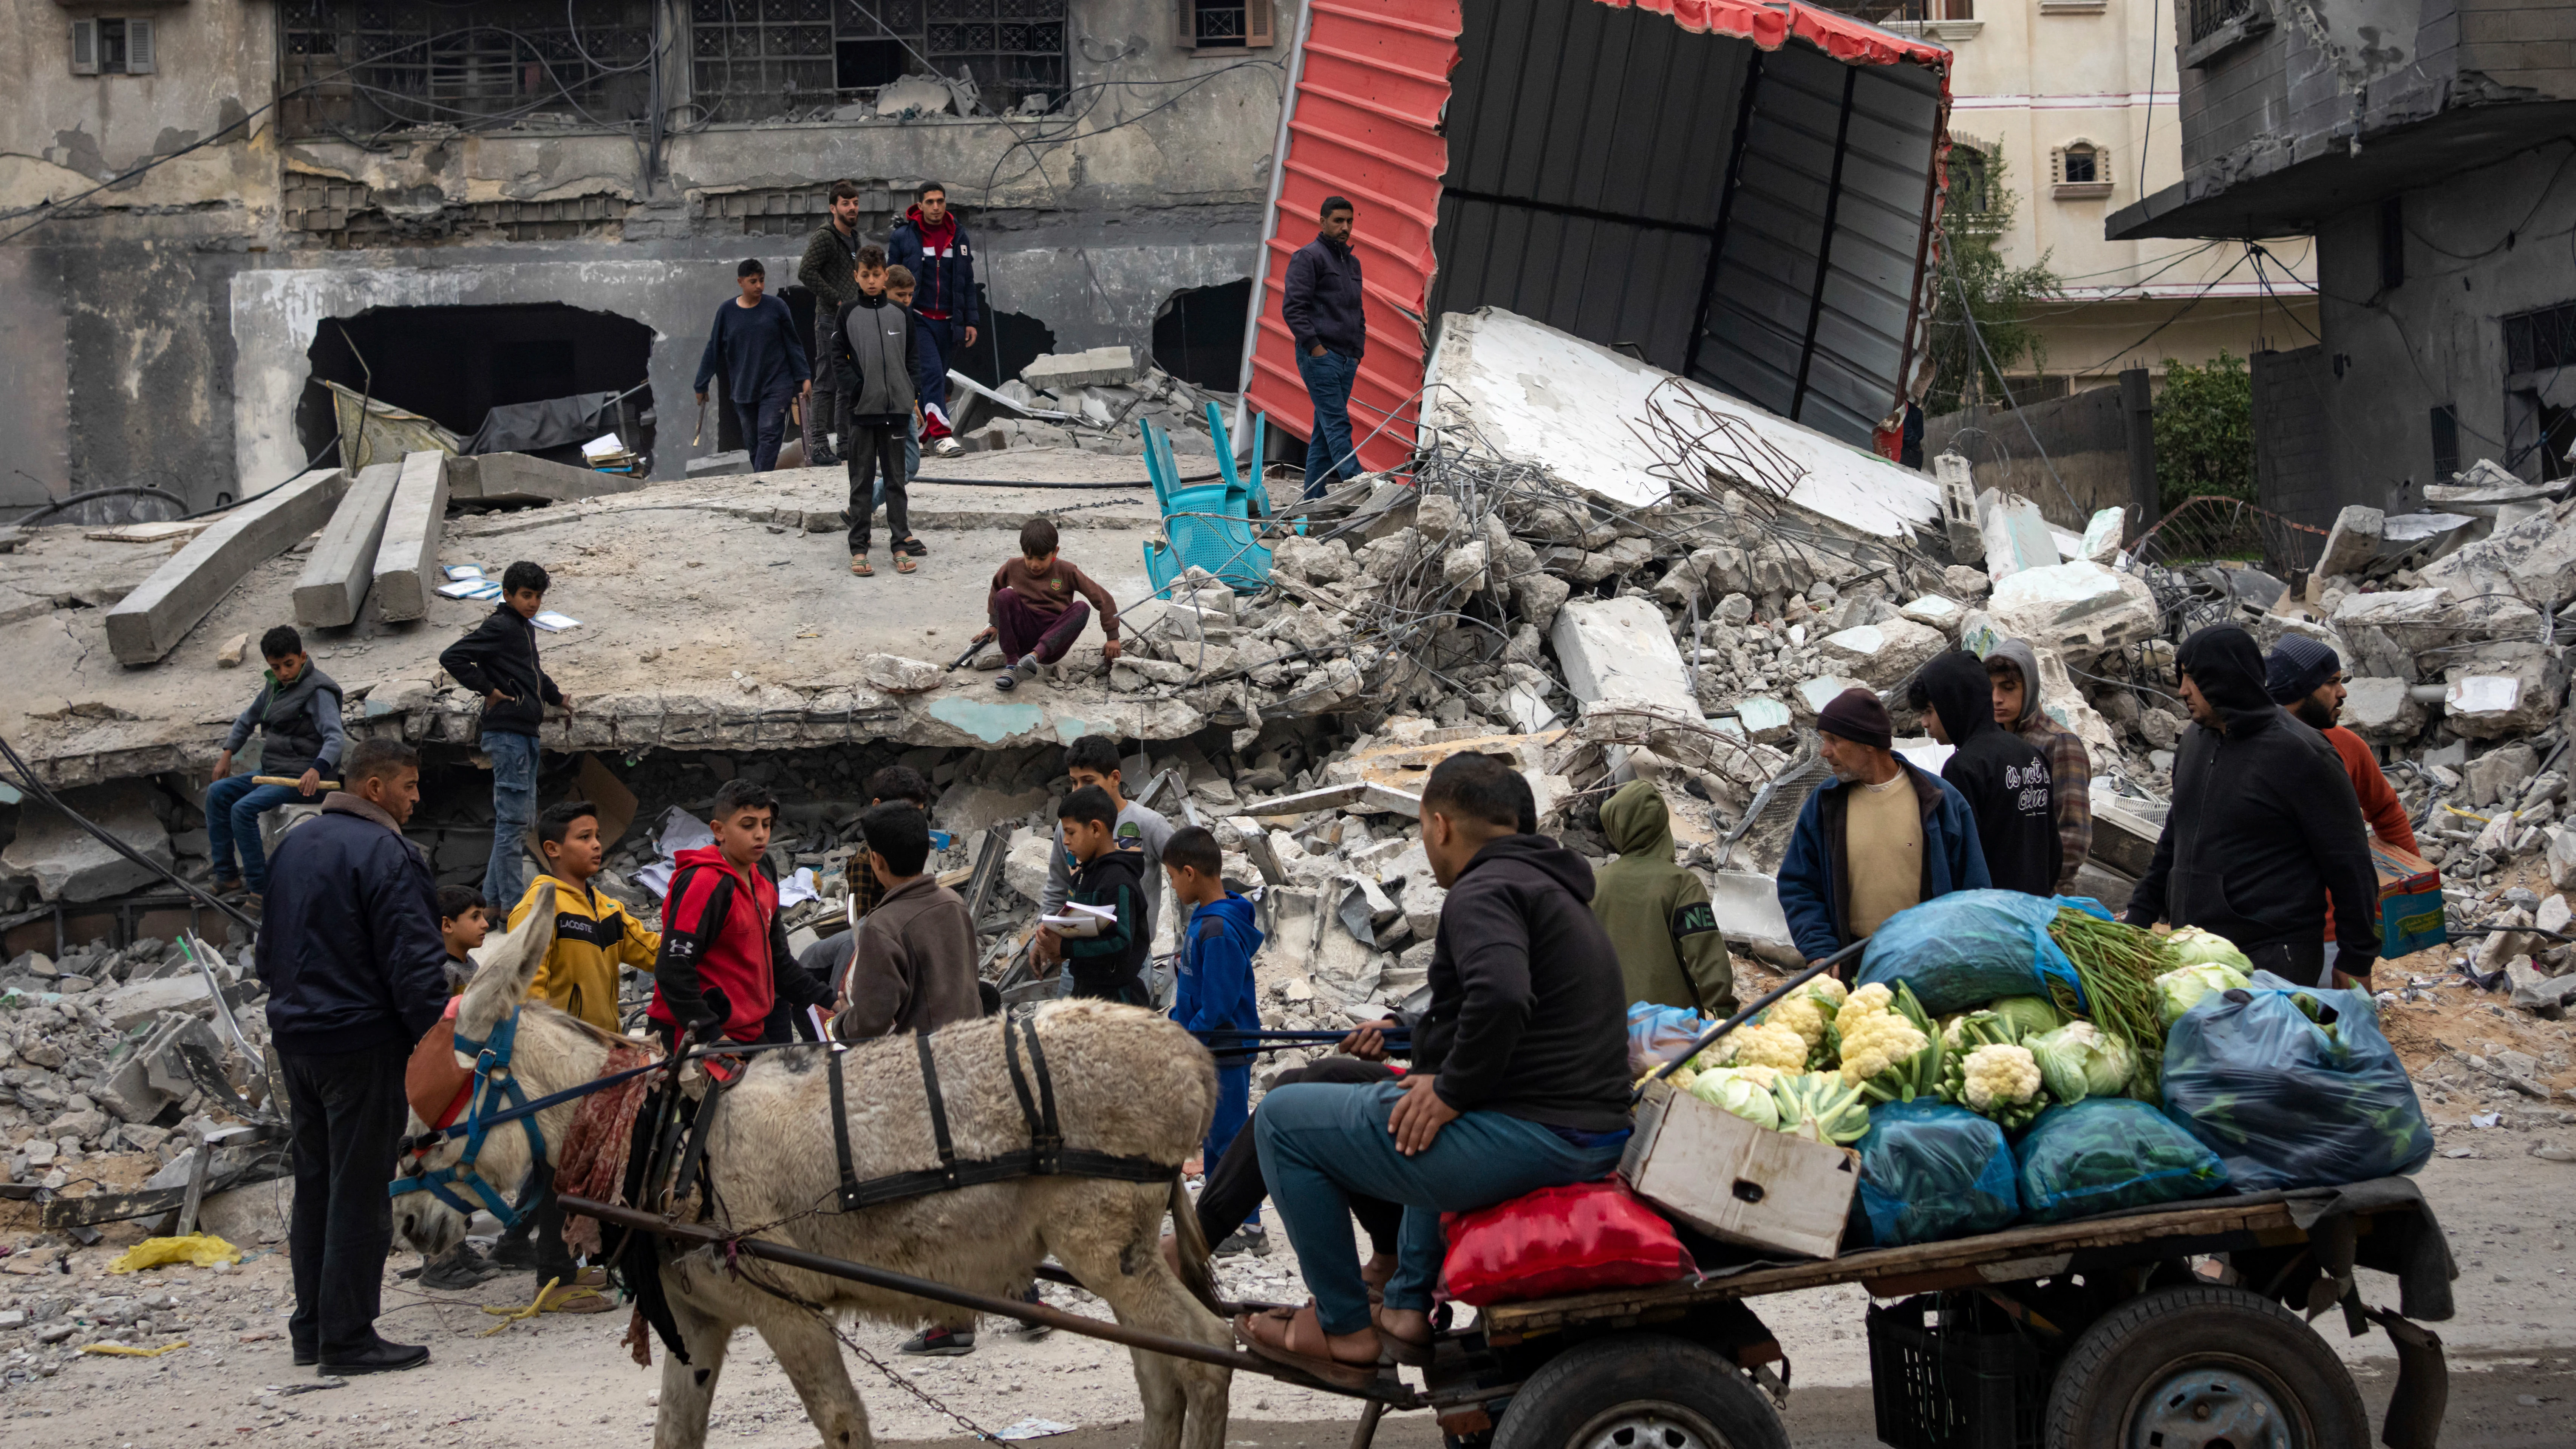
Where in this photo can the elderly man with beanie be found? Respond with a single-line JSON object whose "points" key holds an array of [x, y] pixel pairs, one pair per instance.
{"points": [[1658, 914], [2305, 677], [1880, 836], [2012, 671], [2265, 828]]}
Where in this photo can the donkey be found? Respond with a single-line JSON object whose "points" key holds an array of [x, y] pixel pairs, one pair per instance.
{"points": [[1127, 1082]]}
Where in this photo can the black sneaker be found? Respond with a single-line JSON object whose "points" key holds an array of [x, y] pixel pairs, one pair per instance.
{"points": [[383, 1358], [1245, 1240], [940, 1343], [306, 1357], [462, 1267], [515, 1250], [911, 546], [1025, 1329]]}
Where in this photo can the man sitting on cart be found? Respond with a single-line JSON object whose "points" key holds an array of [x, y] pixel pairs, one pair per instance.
{"points": [[1519, 1082]]}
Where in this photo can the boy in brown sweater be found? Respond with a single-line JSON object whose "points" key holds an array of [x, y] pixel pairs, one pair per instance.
{"points": [[1034, 611]]}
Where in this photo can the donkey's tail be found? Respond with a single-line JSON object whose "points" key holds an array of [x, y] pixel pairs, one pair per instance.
{"points": [[1194, 1251]]}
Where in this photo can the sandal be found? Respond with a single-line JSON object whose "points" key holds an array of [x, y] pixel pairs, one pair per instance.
{"points": [[1270, 1335], [903, 563], [1411, 1351], [859, 565]]}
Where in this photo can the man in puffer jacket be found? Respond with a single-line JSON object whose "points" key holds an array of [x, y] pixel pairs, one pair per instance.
{"points": [[930, 242]]}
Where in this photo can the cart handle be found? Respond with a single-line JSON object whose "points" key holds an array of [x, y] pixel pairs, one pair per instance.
{"points": [[1747, 1014]]}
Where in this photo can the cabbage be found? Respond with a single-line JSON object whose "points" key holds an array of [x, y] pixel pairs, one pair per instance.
{"points": [[2078, 1061], [2027, 1015], [2180, 989], [1736, 1091], [2192, 946]]}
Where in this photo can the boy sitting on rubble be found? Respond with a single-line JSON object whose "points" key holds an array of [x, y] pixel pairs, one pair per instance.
{"points": [[297, 716], [1109, 964], [1033, 609]]}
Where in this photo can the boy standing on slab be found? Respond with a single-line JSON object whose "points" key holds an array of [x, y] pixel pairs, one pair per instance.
{"points": [[499, 661], [1111, 963], [873, 343]]}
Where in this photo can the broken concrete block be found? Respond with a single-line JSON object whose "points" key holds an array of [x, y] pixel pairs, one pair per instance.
{"points": [[1766, 720], [336, 574], [2562, 859], [2017, 536], [129, 1006], [1809, 699], [230, 656], [1463, 567], [895, 674], [129, 1094], [1316, 563], [1935, 612], [518, 478], [2080, 609], [1957, 479], [967, 809], [2382, 709], [150, 621], [718, 465], [2536, 556], [2507, 689], [1540, 596], [1882, 654], [2554, 914], [1621, 650], [2102, 536], [407, 560], [67, 863], [1098, 367], [2354, 543], [1749, 916], [2486, 777]]}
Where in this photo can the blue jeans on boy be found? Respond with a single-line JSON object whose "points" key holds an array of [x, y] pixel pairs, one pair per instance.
{"points": [[1328, 452], [1233, 1109], [233, 808], [1321, 1142], [514, 810]]}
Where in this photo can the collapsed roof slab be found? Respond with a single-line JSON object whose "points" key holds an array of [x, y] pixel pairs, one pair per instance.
{"points": [[150, 622], [336, 573], [1531, 392]]}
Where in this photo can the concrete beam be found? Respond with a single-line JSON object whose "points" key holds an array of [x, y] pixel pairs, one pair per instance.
{"points": [[407, 561], [149, 622], [335, 578], [518, 478]]}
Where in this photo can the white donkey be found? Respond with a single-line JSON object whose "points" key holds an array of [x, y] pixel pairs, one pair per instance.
{"points": [[1127, 1082]]}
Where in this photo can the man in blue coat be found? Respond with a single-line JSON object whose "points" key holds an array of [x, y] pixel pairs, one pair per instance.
{"points": [[356, 973], [930, 242], [1878, 837]]}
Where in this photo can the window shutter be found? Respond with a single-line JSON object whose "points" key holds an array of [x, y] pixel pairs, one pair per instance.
{"points": [[1185, 24], [84, 47], [1259, 28], [138, 47]]}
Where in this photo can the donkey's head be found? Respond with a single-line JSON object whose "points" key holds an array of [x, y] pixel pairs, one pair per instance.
{"points": [[422, 1219]]}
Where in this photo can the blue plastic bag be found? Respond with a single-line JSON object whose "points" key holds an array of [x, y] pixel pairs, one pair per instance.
{"points": [[1964, 949], [2289, 1099], [1930, 1171], [2106, 1153], [1657, 1034]]}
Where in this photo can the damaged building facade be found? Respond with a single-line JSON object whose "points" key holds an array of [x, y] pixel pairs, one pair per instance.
{"points": [[214, 208]]}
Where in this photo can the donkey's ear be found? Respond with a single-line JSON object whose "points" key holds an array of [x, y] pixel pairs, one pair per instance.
{"points": [[509, 969]]}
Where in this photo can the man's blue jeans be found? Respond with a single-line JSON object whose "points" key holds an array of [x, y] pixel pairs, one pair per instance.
{"points": [[233, 808], [514, 810], [1328, 450], [1320, 1142]]}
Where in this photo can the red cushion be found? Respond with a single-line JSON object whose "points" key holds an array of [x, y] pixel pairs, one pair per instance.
{"points": [[1560, 1240]]}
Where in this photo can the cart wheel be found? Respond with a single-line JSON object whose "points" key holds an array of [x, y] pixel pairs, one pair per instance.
{"points": [[2199, 1367], [1639, 1391]]}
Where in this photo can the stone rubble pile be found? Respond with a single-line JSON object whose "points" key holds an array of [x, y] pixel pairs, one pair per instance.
{"points": [[1088, 400]]}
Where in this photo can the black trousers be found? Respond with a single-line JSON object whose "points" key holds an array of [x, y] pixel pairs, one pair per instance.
{"points": [[348, 1109], [874, 447], [1234, 1185]]}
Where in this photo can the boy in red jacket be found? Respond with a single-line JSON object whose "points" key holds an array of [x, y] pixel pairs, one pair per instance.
{"points": [[724, 961]]}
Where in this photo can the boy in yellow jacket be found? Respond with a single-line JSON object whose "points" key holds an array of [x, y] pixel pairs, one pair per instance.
{"points": [[593, 933]]}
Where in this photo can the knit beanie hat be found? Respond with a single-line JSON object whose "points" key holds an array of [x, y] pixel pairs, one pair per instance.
{"points": [[2298, 664], [1856, 715]]}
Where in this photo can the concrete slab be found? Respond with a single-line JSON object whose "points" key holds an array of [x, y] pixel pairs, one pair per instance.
{"points": [[518, 478], [2017, 536], [1098, 367], [67, 863], [341, 566], [718, 465], [1749, 916], [1882, 654], [149, 622], [2080, 609], [1621, 651], [407, 561], [2354, 542]]}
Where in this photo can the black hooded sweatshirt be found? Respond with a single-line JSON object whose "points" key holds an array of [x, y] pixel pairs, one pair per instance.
{"points": [[2003, 776], [1529, 1014], [2264, 823]]}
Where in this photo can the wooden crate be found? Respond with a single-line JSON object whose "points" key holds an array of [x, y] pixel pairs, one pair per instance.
{"points": [[1735, 1181]]}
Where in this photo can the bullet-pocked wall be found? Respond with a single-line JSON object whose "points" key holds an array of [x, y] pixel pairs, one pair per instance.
{"points": [[1103, 153]]}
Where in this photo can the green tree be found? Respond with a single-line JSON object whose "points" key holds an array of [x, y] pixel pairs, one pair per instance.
{"points": [[2205, 430], [1974, 281]]}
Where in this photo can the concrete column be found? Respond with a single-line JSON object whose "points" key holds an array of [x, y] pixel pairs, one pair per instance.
{"points": [[407, 561], [149, 622], [335, 578]]}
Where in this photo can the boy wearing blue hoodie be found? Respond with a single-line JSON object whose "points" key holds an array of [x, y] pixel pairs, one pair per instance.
{"points": [[1215, 990]]}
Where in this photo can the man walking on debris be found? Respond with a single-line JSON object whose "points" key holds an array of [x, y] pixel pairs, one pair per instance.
{"points": [[356, 972], [1322, 303], [831, 257], [2265, 827], [2003, 779], [2013, 673], [2305, 677], [930, 242], [753, 344], [499, 661], [297, 716], [1658, 914], [1880, 836]]}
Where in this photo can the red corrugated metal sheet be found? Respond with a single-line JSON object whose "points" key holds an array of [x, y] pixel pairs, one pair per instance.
{"points": [[1364, 123]]}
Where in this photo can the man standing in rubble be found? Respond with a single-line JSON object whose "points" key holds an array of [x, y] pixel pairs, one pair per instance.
{"points": [[831, 258], [930, 242], [1880, 836], [1321, 303], [2305, 677], [2003, 777], [2265, 827]]}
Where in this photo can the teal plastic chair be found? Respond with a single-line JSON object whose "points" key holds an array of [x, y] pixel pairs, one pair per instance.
{"points": [[1204, 525], [1248, 487]]}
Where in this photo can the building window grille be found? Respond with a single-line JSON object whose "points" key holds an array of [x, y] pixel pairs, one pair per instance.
{"points": [[2208, 17], [2541, 340], [755, 59], [382, 65]]}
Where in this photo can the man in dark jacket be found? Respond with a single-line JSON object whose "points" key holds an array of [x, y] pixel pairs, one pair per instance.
{"points": [[499, 661], [2001, 775], [1519, 1080], [930, 242], [831, 256], [1880, 836], [297, 716], [2265, 828], [753, 344], [356, 973], [1321, 302]]}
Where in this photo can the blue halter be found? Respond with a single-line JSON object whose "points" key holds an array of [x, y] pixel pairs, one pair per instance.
{"points": [[484, 1109]]}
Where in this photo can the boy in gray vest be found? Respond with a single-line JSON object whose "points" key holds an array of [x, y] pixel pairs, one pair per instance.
{"points": [[873, 337], [297, 716]]}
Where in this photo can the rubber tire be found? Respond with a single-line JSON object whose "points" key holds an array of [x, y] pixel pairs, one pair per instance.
{"points": [[2134, 1346], [1577, 1386]]}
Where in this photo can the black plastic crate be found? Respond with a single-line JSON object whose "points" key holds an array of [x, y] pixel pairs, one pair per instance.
{"points": [[1949, 1371]]}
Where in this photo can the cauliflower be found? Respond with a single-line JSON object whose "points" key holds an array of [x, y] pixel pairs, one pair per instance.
{"points": [[1768, 1045], [1876, 1043], [1999, 1076], [1809, 1010], [1885, 1041]]}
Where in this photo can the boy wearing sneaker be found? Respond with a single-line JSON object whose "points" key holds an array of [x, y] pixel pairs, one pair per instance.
{"points": [[297, 717], [1215, 991], [874, 353], [1034, 611]]}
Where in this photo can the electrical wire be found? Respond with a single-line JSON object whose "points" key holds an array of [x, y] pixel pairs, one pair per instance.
{"points": [[75, 499], [44, 794]]}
